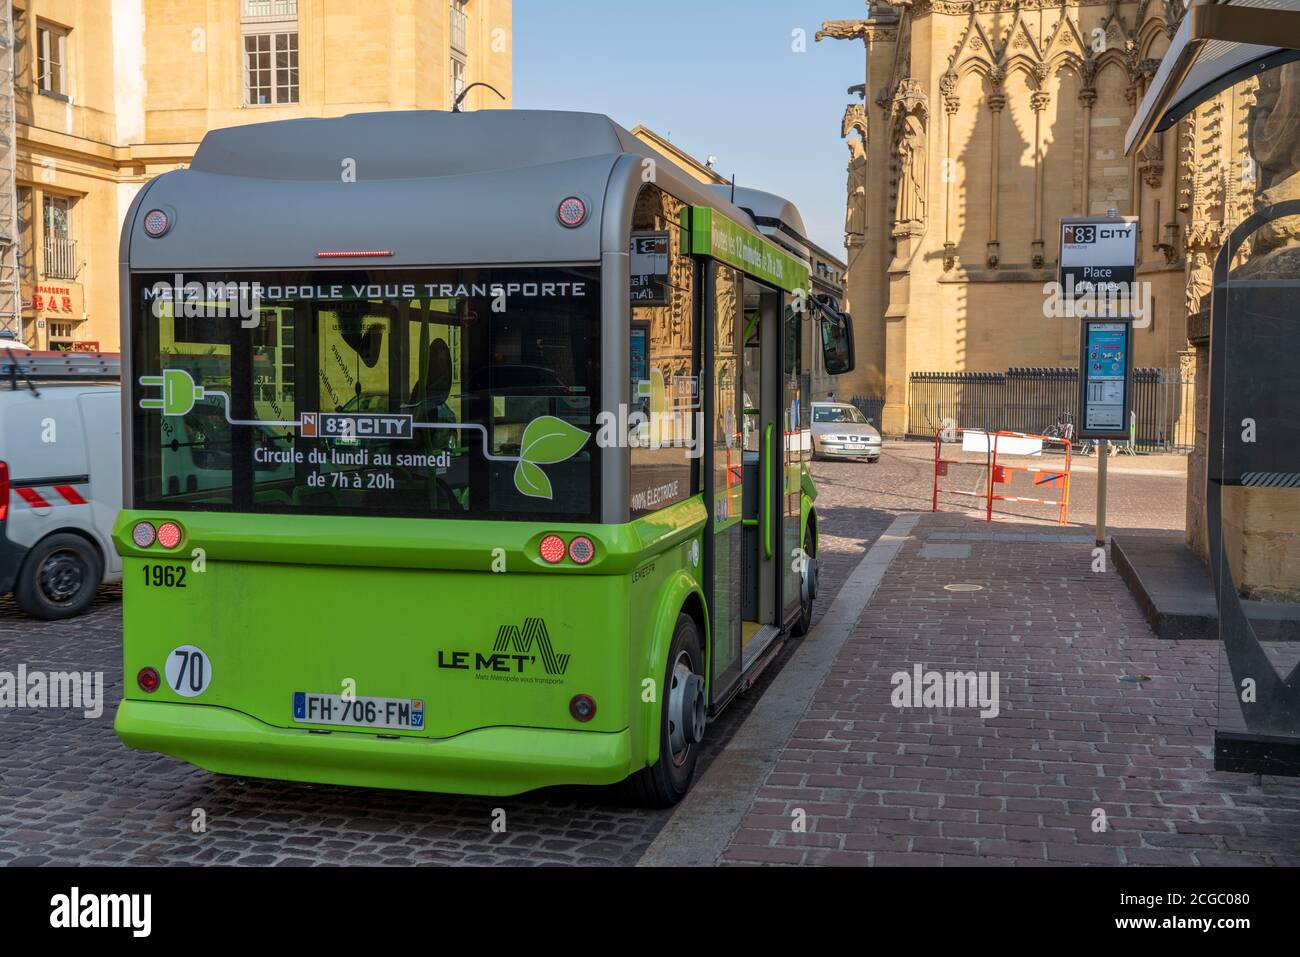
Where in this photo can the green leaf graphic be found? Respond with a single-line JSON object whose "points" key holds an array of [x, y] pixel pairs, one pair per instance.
{"points": [[548, 440], [532, 481]]}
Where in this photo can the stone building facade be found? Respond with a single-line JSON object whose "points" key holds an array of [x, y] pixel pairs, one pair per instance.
{"points": [[108, 95], [980, 124]]}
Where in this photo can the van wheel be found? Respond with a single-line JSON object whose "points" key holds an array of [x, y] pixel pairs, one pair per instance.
{"points": [[59, 578], [681, 727]]}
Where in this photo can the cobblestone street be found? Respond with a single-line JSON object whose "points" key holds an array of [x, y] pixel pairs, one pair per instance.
{"points": [[71, 793]]}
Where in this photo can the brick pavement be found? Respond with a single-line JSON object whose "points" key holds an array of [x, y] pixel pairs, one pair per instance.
{"points": [[881, 786]]}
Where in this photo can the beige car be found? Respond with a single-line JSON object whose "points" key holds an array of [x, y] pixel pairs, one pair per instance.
{"points": [[839, 430]]}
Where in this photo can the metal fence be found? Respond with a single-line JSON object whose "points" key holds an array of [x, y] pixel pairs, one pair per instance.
{"points": [[872, 406], [1032, 400]]}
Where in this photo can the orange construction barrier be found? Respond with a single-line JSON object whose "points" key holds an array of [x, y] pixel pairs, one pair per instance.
{"points": [[1001, 473]]}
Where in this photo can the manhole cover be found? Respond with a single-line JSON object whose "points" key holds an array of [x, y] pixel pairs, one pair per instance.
{"points": [[1135, 679], [960, 587]]}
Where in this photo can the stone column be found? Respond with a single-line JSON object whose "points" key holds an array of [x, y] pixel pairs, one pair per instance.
{"points": [[1038, 101], [997, 102]]}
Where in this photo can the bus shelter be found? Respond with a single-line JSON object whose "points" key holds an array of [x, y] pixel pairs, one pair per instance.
{"points": [[1252, 451]]}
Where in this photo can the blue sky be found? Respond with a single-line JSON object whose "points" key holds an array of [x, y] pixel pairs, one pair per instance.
{"points": [[717, 76]]}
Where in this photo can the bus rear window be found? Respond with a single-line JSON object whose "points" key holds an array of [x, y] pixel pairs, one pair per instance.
{"points": [[464, 393]]}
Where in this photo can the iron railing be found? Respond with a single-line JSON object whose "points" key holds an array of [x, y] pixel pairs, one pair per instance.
{"points": [[60, 258], [872, 406], [1033, 400]]}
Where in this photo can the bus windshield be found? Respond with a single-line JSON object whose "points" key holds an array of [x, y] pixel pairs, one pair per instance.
{"points": [[468, 393]]}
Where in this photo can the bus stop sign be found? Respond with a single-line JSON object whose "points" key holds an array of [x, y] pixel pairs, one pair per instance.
{"points": [[1105, 378]]}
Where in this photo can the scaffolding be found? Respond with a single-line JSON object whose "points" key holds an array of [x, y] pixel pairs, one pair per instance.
{"points": [[11, 304]]}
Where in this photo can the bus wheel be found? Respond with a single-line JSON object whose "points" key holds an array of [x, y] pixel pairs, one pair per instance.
{"points": [[681, 728], [59, 578], [807, 588]]}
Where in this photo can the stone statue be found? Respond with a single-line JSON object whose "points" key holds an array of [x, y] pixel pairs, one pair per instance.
{"points": [[1199, 281], [911, 171], [855, 219]]}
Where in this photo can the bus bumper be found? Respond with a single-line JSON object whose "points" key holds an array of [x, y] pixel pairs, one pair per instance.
{"points": [[488, 761]]}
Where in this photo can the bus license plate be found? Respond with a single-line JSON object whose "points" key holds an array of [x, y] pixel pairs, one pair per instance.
{"points": [[401, 714]]}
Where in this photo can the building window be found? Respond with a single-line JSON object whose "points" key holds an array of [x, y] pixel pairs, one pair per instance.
{"points": [[459, 26], [62, 330], [51, 59], [60, 247], [457, 78], [270, 30], [269, 10]]}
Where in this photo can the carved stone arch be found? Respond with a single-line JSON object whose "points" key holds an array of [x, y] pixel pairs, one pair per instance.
{"points": [[1019, 41], [1020, 63], [974, 43], [990, 76], [1112, 58], [1066, 58], [1066, 38], [1149, 33], [855, 120], [1116, 27]]}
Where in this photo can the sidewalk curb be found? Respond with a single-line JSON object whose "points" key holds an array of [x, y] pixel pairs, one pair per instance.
{"points": [[702, 824]]}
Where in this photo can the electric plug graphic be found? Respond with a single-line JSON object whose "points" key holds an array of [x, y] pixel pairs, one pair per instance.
{"points": [[179, 393]]}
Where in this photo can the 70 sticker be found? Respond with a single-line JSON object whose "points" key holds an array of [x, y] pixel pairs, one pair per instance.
{"points": [[188, 671]]}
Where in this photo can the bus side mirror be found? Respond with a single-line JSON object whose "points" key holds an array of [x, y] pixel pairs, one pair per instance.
{"points": [[837, 343]]}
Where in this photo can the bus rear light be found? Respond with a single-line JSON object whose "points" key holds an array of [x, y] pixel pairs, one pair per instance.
{"points": [[4, 490], [552, 549], [351, 253], [148, 680], [169, 534], [581, 550], [156, 223], [582, 707], [143, 535], [572, 212]]}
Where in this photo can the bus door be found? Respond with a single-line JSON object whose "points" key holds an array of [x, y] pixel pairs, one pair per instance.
{"points": [[762, 395], [795, 449]]}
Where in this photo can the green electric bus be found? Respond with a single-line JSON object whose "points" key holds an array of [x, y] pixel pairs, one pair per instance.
{"points": [[464, 452]]}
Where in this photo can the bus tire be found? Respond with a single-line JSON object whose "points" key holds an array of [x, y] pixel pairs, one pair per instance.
{"points": [[666, 782], [804, 621], [59, 578]]}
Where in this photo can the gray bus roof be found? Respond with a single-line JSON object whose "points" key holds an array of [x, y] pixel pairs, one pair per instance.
{"points": [[433, 187]]}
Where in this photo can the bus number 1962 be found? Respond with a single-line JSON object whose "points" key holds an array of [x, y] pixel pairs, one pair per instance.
{"points": [[164, 576]]}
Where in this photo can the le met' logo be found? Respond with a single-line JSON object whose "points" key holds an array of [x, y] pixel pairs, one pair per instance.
{"points": [[515, 656]]}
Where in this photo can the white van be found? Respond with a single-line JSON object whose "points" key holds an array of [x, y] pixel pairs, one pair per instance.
{"points": [[60, 478]]}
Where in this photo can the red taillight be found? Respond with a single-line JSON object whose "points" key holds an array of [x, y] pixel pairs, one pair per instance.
{"points": [[552, 549], [351, 253], [4, 490], [582, 707], [169, 534], [581, 550], [156, 223], [148, 679], [572, 212]]}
